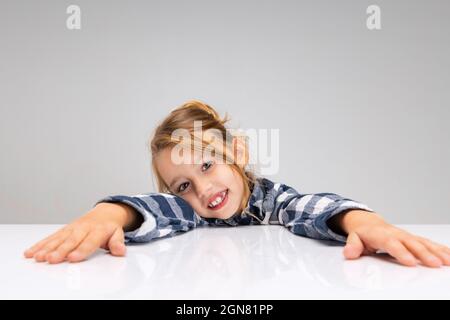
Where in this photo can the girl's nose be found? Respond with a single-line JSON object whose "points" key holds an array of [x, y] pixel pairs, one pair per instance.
{"points": [[204, 190]]}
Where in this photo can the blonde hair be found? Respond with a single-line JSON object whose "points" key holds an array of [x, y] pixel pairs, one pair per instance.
{"points": [[183, 117]]}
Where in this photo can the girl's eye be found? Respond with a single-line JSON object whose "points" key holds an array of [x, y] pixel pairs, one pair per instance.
{"points": [[206, 165], [183, 186]]}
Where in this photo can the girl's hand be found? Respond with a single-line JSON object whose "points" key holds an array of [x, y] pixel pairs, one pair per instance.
{"points": [[368, 233], [100, 227]]}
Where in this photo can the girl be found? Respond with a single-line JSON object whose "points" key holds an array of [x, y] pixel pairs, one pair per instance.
{"points": [[198, 189]]}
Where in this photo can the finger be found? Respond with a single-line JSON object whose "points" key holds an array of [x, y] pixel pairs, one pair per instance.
{"points": [[441, 247], [116, 243], [438, 251], [72, 241], [397, 250], [422, 253], [50, 246], [92, 242], [354, 247], [30, 252]]}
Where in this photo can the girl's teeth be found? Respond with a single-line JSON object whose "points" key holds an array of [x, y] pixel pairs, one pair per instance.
{"points": [[217, 200]]}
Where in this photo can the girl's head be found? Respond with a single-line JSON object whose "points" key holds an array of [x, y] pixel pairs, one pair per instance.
{"points": [[195, 157]]}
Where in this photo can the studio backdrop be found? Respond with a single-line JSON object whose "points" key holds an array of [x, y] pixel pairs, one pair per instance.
{"points": [[356, 93]]}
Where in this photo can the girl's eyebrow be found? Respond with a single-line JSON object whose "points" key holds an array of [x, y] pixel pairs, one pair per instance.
{"points": [[173, 182]]}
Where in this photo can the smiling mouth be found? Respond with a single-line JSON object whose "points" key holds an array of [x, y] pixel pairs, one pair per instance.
{"points": [[219, 201]]}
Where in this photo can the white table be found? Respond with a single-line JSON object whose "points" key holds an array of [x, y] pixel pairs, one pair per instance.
{"points": [[247, 262]]}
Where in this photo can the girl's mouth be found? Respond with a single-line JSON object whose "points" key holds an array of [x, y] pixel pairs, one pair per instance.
{"points": [[218, 200]]}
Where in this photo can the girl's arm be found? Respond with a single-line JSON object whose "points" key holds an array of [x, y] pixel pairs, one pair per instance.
{"points": [[329, 216], [369, 233], [113, 222], [161, 214]]}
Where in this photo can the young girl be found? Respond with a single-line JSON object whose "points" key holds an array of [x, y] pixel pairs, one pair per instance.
{"points": [[200, 189]]}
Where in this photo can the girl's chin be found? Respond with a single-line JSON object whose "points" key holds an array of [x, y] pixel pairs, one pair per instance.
{"points": [[226, 216], [219, 215]]}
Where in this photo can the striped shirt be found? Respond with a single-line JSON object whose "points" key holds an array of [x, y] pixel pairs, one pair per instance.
{"points": [[166, 215]]}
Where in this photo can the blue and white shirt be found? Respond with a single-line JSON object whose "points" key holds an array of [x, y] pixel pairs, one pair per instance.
{"points": [[166, 215]]}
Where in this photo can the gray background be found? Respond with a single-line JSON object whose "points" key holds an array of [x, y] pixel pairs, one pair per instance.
{"points": [[361, 113]]}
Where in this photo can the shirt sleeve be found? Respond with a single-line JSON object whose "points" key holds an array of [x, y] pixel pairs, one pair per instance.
{"points": [[164, 215], [307, 214]]}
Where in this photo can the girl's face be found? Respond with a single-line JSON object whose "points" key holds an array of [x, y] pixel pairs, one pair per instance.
{"points": [[214, 190]]}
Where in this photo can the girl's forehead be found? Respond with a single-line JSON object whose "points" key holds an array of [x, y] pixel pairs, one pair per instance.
{"points": [[174, 156]]}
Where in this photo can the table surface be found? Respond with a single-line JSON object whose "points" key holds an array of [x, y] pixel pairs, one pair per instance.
{"points": [[245, 262]]}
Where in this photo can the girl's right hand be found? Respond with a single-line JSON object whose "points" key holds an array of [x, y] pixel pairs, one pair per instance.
{"points": [[102, 227]]}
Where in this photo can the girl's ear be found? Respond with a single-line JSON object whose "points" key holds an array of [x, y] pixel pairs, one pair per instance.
{"points": [[240, 151]]}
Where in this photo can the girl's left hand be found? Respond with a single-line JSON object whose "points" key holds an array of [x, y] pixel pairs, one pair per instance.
{"points": [[400, 244]]}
